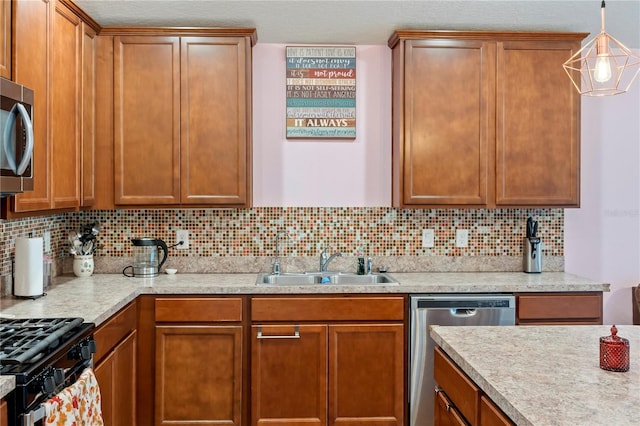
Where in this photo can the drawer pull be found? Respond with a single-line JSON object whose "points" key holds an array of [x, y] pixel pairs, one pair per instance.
{"points": [[295, 335]]}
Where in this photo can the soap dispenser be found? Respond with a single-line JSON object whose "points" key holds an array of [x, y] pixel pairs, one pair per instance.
{"points": [[360, 267]]}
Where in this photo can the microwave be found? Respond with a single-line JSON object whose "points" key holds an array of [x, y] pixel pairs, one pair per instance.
{"points": [[16, 130]]}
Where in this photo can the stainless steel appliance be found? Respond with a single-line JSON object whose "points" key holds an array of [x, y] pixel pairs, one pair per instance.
{"points": [[16, 131], [445, 309], [531, 249], [146, 260], [45, 355]]}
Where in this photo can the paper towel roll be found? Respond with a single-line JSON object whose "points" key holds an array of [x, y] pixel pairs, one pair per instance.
{"points": [[28, 268]]}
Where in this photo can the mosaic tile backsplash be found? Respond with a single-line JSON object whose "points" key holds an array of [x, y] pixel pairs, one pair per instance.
{"points": [[376, 231]]}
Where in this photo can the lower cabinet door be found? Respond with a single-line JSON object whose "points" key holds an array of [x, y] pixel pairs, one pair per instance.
{"points": [[104, 375], [4, 416], [366, 374], [446, 414], [289, 375], [491, 415], [116, 377], [198, 375]]}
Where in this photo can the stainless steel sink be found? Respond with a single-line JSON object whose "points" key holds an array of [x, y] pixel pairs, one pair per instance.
{"points": [[327, 278]]}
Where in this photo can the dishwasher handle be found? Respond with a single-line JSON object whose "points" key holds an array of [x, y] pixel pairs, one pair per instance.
{"points": [[463, 312]]}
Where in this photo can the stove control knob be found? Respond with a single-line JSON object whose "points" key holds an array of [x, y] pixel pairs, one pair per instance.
{"points": [[87, 349], [83, 350], [58, 375], [49, 385]]}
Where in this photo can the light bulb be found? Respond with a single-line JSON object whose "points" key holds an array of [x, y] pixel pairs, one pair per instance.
{"points": [[602, 71]]}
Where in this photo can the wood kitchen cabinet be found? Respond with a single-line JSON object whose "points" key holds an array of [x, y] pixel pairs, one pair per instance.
{"points": [[65, 74], [559, 308], [198, 361], [147, 120], [327, 360], [31, 68], [459, 400], [446, 413], [115, 367], [49, 57], [88, 116], [181, 117], [5, 43], [484, 119], [4, 413]]}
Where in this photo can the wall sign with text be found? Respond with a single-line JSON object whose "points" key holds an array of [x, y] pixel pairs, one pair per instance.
{"points": [[321, 92]]}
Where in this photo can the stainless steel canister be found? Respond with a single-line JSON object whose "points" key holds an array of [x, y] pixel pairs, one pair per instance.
{"points": [[531, 255]]}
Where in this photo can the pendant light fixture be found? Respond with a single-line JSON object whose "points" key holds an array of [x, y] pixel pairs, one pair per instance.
{"points": [[604, 66]]}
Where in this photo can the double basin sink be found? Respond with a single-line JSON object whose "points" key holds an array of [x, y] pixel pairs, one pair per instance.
{"points": [[324, 278]]}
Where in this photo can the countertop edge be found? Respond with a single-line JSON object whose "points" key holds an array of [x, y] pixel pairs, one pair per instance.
{"points": [[7, 384], [524, 368], [126, 290], [502, 402]]}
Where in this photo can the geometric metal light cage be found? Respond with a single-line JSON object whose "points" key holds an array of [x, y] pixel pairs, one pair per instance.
{"points": [[604, 66]]}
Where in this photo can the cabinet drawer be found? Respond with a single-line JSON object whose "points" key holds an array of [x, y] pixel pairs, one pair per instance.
{"points": [[491, 415], [198, 309], [464, 394], [574, 308], [446, 412], [327, 308], [114, 330]]}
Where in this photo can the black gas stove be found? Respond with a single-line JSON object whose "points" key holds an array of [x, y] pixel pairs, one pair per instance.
{"points": [[45, 355]]}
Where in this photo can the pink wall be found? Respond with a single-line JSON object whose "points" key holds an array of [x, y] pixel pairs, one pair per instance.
{"points": [[602, 238], [322, 173]]}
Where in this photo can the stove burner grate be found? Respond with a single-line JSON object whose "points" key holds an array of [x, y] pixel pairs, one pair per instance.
{"points": [[27, 340]]}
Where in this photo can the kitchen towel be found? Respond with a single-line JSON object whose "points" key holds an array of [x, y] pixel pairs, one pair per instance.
{"points": [[28, 279], [77, 405]]}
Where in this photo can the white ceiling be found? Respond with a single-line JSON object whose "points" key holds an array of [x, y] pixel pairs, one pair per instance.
{"points": [[370, 21]]}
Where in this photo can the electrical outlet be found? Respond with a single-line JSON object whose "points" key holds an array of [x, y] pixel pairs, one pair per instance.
{"points": [[428, 238], [462, 238], [182, 235], [46, 237]]}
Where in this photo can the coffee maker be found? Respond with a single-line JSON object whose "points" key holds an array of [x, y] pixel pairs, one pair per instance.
{"points": [[146, 258]]}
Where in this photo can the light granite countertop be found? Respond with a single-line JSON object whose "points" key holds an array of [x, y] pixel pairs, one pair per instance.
{"points": [[98, 297], [548, 375]]}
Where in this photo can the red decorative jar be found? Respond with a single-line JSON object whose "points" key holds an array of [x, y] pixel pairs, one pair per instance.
{"points": [[614, 352]]}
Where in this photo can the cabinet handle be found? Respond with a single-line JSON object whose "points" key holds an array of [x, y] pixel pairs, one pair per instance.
{"points": [[295, 335]]}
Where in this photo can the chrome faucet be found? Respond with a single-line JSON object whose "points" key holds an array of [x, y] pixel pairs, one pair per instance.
{"points": [[275, 266], [325, 259]]}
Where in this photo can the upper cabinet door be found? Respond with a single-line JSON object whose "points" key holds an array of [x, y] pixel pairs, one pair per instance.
{"points": [[88, 116], [31, 68], [443, 137], [215, 120], [65, 108], [146, 120], [538, 125], [5, 43]]}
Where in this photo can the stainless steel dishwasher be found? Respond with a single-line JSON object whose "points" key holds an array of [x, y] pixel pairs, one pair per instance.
{"points": [[445, 309]]}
